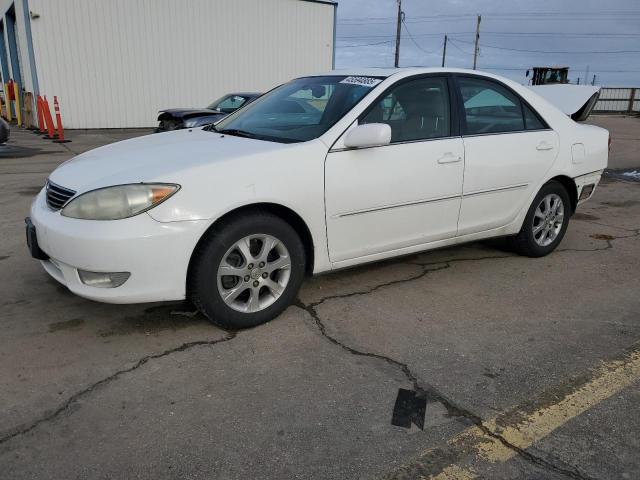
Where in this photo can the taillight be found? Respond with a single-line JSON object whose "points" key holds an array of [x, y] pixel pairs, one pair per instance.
{"points": [[609, 143]]}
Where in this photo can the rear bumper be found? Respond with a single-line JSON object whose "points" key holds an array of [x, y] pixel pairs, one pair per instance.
{"points": [[587, 184], [156, 254]]}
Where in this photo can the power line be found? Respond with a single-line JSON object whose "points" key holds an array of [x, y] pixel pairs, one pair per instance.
{"points": [[493, 17], [524, 68], [458, 48], [553, 51], [617, 14], [390, 35], [364, 44], [497, 34], [597, 70], [562, 34], [414, 40]]}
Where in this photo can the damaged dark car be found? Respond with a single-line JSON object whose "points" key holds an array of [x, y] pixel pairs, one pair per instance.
{"points": [[177, 118]]}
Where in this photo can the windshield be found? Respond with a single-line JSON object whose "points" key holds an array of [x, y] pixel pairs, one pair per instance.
{"points": [[228, 103], [300, 110], [555, 76]]}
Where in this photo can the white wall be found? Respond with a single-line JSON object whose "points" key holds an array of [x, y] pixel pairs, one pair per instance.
{"points": [[114, 63]]}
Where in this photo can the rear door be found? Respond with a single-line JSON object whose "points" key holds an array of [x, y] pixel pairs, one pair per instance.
{"points": [[508, 149]]}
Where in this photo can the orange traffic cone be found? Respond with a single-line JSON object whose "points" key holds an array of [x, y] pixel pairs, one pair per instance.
{"points": [[48, 119], [41, 127], [56, 107]]}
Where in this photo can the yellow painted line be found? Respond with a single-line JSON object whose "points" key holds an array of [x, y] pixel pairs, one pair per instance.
{"points": [[454, 472], [477, 448]]}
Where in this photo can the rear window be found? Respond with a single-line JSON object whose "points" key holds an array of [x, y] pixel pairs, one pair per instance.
{"points": [[531, 120]]}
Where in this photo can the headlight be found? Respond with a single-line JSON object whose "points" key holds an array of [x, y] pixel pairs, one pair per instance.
{"points": [[121, 201]]}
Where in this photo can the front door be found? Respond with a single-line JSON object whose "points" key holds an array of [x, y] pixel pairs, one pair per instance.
{"points": [[403, 194]]}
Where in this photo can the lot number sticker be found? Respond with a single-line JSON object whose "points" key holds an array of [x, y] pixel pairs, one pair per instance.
{"points": [[362, 81]]}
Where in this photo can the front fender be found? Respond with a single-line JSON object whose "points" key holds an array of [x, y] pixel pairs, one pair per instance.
{"points": [[290, 175]]}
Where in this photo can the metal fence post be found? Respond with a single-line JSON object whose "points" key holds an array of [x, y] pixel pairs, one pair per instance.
{"points": [[632, 97]]}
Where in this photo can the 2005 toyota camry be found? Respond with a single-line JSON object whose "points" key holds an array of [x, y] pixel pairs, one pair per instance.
{"points": [[323, 172]]}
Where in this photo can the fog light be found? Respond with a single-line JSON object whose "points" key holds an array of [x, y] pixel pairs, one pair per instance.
{"points": [[103, 279], [586, 191]]}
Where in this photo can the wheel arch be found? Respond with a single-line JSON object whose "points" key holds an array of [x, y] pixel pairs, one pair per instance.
{"points": [[286, 213], [570, 185]]}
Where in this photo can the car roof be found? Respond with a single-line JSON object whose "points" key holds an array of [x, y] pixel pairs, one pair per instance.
{"points": [[388, 72]]}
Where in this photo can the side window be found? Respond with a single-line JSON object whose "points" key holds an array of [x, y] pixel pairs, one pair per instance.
{"points": [[531, 120], [415, 110], [489, 107]]}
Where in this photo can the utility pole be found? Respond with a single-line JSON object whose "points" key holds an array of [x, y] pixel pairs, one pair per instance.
{"points": [[475, 50], [586, 76], [444, 50], [397, 62]]}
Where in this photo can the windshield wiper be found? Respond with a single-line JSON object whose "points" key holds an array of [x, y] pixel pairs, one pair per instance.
{"points": [[245, 134], [237, 133]]}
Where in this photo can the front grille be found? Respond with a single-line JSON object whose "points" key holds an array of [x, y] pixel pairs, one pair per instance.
{"points": [[57, 196]]}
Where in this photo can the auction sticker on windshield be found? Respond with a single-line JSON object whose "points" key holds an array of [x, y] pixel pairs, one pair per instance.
{"points": [[362, 81]]}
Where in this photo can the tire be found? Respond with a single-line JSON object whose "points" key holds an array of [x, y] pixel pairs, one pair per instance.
{"points": [[531, 241], [220, 269]]}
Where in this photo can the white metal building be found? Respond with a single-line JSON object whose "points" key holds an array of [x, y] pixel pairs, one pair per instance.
{"points": [[115, 63]]}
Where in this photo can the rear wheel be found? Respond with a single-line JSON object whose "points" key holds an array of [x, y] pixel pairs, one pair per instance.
{"points": [[546, 222], [247, 270]]}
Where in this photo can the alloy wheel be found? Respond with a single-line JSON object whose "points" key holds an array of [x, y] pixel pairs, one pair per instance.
{"points": [[548, 219], [254, 273]]}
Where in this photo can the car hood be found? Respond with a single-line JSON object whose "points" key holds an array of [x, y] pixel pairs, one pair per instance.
{"points": [[168, 157], [190, 112]]}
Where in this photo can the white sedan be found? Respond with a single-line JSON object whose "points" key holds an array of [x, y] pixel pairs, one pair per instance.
{"points": [[321, 173]]}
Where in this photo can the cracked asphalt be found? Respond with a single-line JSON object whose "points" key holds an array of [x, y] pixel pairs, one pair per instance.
{"points": [[527, 368]]}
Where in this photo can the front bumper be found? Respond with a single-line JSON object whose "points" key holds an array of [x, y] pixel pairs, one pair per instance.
{"points": [[156, 254], [169, 124]]}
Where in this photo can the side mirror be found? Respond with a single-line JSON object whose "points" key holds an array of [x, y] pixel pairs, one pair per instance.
{"points": [[368, 135]]}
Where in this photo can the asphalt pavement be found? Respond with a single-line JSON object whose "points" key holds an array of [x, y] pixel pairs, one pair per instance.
{"points": [[458, 363]]}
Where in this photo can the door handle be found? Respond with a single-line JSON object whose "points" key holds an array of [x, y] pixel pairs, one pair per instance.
{"points": [[449, 158], [544, 146]]}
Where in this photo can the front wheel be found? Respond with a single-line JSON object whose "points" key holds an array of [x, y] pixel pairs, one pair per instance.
{"points": [[546, 222], [247, 270]]}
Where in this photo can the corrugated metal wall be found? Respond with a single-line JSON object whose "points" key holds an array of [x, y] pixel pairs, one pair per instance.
{"points": [[114, 63], [21, 37]]}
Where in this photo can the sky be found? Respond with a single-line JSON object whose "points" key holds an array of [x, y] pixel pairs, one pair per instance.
{"points": [[595, 36]]}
